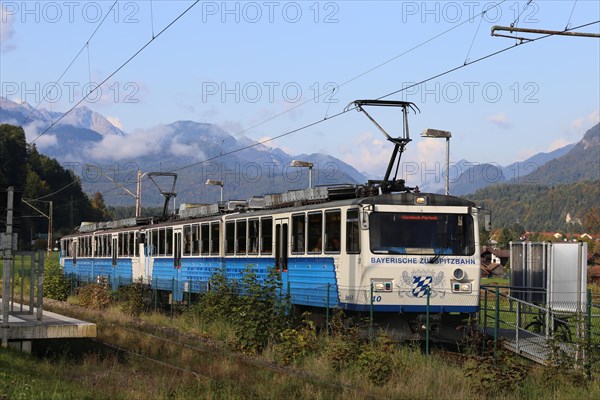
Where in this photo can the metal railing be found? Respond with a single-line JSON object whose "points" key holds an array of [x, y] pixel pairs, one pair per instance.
{"points": [[537, 330]]}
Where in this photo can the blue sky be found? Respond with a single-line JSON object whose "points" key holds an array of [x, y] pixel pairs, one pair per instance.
{"points": [[238, 64]]}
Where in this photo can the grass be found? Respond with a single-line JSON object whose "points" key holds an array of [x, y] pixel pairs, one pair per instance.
{"points": [[208, 368]]}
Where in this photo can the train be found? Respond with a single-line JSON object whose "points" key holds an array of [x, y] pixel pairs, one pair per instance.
{"points": [[381, 248]]}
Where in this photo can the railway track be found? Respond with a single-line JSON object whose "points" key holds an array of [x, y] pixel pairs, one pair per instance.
{"points": [[204, 359]]}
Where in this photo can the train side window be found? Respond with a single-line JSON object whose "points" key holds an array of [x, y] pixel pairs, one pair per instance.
{"points": [[107, 246], [154, 242], [253, 236], [266, 235], [160, 246], [352, 232], [187, 240], [240, 237], [138, 238], [315, 232], [132, 244], [214, 238], [96, 246], [204, 239], [196, 239], [169, 242], [333, 228], [122, 246], [229, 237], [298, 233]]}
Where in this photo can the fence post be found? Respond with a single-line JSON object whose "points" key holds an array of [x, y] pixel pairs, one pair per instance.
{"points": [[485, 315], [289, 296], [31, 282], [327, 311], [496, 318], [12, 278], [189, 293], [155, 294], [22, 279], [40, 288], [371, 316], [428, 290], [517, 325], [588, 333], [172, 296]]}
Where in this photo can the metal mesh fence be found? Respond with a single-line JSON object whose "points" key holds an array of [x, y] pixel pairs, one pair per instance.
{"points": [[540, 330]]}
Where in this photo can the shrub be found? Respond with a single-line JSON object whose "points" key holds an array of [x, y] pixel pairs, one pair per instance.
{"points": [[220, 300], [296, 343], [56, 285], [261, 313], [343, 345], [95, 295], [135, 298], [502, 373]]}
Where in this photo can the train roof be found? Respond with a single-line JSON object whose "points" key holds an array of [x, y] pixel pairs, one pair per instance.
{"points": [[298, 200]]}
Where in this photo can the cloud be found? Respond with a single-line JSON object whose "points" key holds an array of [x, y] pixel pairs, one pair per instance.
{"points": [[33, 131], [273, 144], [144, 142], [423, 163], [594, 117], [557, 144], [115, 121], [7, 30], [500, 120]]}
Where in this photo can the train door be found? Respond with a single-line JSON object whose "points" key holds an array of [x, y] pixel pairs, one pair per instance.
{"points": [[115, 245], [137, 256], [281, 244], [177, 232]]}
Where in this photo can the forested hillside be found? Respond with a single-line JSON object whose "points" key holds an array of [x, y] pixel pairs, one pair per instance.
{"points": [[42, 179], [566, 208]]}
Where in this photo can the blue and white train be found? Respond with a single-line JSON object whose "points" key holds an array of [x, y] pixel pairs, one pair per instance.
{"points": [[382, 248], [333, 247]]}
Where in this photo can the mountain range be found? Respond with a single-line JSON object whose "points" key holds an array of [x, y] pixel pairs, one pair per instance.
{"points": [[99, 152], [572, 163]]}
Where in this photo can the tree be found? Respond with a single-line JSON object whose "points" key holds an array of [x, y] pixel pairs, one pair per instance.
{"points": [[13, 156], [591, 221], [506, 236], [99, 206]]}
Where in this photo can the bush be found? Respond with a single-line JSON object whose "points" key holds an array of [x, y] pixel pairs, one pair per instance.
{"points": [[219, 301], [261, 313], [95, 295], [503, 373], [135, 298], [343, 346], [296, 343], [56, 285]]}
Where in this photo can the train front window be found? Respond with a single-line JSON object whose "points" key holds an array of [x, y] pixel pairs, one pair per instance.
{"points": [[423, 234]]}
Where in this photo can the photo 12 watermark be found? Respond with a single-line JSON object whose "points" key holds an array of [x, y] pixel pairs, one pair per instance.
{"points": [[93, 172], [470, 92], [253, 172], [255, 12], [70, 92], [53, 12], [453, 12], [468, 172], [268, 92]]}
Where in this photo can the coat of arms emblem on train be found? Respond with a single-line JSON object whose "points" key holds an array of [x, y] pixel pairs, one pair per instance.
{"points": [[416, 283]]}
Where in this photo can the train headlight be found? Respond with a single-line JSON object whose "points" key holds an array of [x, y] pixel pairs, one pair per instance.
{"points": [[458, 287], [421, 200], [382, 286], [459, 274]]}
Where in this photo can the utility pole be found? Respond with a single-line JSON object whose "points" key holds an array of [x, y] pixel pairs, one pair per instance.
{"points": [[71, 213], [138, 197], [6, 258], [50, 226]]}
